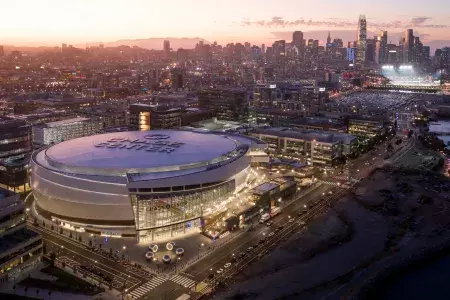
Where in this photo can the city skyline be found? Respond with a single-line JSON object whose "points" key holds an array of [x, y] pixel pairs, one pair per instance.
{"points": [[48, 22]]}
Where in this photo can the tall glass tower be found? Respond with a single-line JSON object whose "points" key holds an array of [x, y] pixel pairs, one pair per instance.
{"points": [[361, 41]]}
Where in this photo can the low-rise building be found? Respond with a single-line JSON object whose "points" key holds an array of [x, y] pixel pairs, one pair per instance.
{"points": [[316, 123], [145, 117], [367, 127], [15, 149], [59, 131], [20, 247], [321, 149], [229, 103]]}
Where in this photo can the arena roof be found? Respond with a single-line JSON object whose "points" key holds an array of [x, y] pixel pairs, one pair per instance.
{"points": [[136, 150]]}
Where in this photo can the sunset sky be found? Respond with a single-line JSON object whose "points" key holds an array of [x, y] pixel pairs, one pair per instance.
{"points": [[51, 22]]}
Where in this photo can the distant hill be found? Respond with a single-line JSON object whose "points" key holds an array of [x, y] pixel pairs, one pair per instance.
{"points": [[155, 43]]}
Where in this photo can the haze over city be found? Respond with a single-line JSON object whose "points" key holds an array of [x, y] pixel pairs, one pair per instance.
{"points": [[51, 22], [224, 150]]}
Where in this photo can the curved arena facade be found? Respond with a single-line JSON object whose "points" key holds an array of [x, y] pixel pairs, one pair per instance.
{"points": [[150, 185]]}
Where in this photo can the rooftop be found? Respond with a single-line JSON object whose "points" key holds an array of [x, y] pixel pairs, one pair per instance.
{"points": [[307, 135], [265, 187], [326, 122], [4, 193], [15, 238], [136, 151], [64, 122]]}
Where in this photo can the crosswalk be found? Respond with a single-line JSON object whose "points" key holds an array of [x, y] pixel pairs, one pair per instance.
{"points": [[184, 281], [332, 183], [147, 287]]}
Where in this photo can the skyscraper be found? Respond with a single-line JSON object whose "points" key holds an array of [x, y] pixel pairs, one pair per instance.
{"points": [[408, 46], [328, 45], [297, 40], [2, 51], [166, 48], [417, 50], [361, 41], [382, 48]]}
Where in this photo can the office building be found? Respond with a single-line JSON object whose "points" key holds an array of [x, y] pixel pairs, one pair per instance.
{"points": [[361, 41], [177, 78], [426, 53], [182, 56], [381, 53], [417, 51], [15, 148], [279, 50], [110, 116], [297, 41], [351, 54], [59, 131], [367, 127], [20, 248], [166, 47], [316, 148], [408, 46], [229, 103], [145, 117]]}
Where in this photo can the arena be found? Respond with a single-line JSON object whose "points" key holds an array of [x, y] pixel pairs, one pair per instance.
{"points": [[150, 185]]}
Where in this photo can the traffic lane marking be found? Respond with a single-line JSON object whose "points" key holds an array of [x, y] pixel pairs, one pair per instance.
{"points": [[55, 237], [96, 263]]}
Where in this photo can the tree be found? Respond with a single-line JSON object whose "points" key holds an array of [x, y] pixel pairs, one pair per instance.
{"points": [[60, 230], [80, 239], [63, 264], [70, 234], [90, 243], [111, 250], [52, 228], [43, 223]]}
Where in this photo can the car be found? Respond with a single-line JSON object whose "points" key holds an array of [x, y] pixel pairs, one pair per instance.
{"points": [[249, 248], [227, 265], [280, 227], [219, 271], [269, 223], [211, 276], [233, 260], [262, 240], [330, 193], [291, 219], [271, 234], [242, 254]]}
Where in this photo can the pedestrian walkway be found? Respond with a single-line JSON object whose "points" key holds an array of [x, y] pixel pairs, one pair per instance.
{"points": [[184, 281], [147, 287], [336, 184]]}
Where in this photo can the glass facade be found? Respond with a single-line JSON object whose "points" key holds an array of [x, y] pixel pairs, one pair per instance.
{"points": [[165, 215]]}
